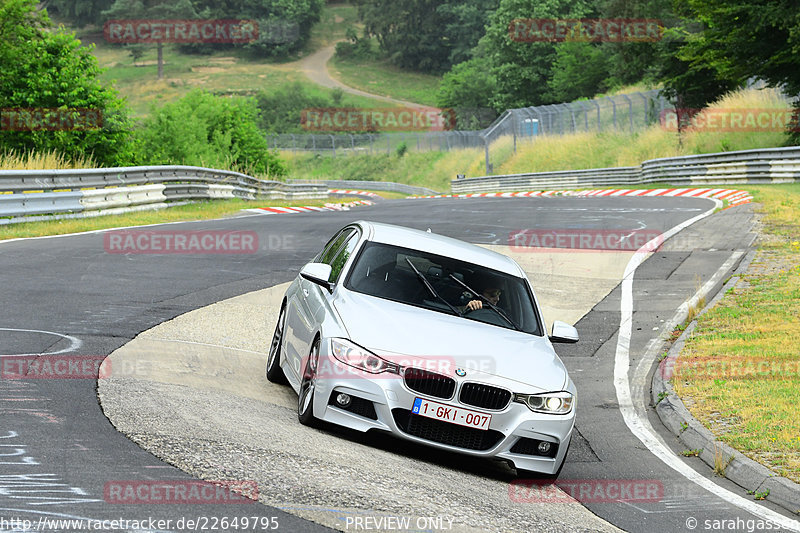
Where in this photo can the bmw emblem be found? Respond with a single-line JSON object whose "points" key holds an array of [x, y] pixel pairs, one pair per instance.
{"points": [[460, 372]]}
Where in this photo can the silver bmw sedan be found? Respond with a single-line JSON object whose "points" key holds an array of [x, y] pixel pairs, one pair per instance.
{"points": [[428, 338]]}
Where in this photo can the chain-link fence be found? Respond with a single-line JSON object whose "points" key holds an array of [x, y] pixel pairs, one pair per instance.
{"points": [[624, 113]]}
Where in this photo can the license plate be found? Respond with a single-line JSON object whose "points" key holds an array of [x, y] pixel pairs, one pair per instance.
{"points": [[448, 413]]}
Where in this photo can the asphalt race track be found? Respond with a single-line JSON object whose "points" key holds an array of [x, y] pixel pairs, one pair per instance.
{"points": [[59, 454]]}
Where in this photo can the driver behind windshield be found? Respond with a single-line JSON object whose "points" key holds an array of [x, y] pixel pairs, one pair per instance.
{"points": [[492, 294]]}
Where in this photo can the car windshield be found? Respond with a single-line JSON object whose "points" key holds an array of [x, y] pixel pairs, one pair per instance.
{"points": [[395, 273]]}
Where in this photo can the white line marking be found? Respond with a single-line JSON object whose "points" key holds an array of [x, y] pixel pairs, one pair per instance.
{"points": [[641, 426], [74, 343]]}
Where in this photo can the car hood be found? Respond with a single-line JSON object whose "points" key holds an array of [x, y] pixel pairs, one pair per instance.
{"points": [[438, 341]]}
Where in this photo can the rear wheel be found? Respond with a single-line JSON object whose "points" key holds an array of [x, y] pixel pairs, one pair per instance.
{"points": [[274, 371], [305, 399]]}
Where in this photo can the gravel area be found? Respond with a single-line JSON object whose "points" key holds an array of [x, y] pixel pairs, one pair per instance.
{"points": [[192, 391]]}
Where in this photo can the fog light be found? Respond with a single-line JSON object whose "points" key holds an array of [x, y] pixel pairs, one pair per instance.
{"points": [[343, 399], [543, 447]]}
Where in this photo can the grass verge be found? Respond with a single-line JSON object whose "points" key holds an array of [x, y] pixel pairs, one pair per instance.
{"points": [[435, 169], [202, 210], [383, 78], [739, 372]]}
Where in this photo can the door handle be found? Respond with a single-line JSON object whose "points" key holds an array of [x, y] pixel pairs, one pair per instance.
{"points": [[305, 292]]}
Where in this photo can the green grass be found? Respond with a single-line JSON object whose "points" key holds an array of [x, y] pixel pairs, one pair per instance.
{"points": [[202, 210], [381, 77], [739, 372], [335, 20], [221, 72], [225, 72], [544, 153], [425, 169]]}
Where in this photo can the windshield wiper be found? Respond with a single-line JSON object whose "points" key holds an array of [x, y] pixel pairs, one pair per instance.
{"points": [[430, 288], [490, 304]]}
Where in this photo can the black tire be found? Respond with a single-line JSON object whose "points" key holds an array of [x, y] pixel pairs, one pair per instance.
{"points": [[274, 371], [305, 398]]}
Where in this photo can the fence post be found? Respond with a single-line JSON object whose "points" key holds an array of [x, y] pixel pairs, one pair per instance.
{"points": [[646, 105], [630, 111], [614, 113], [333, 145], [486, 155]]}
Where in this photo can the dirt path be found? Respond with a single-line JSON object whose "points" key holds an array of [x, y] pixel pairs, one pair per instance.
{"points": [[315, 67]]}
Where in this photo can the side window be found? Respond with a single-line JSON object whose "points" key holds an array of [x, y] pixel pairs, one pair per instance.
{"points": [[344, 254], [329, 252]]}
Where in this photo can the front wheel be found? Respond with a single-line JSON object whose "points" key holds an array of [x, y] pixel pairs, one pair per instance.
{"points": [[305, 399], [274, 371]]}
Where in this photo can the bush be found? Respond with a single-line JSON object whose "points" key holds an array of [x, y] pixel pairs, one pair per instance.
{"points": [[356, 47], [206, 130], [49, 74]]}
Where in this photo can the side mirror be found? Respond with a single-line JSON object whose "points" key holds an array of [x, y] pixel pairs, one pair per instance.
{"points": [[563, 332], [318, 273]]}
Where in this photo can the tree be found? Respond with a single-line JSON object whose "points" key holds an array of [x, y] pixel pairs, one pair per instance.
{"points": [[207, 130], [49, 76], [284, 26], [280, 110], [748, 38], [464, 24], [468, 89], [408, 31], [523, 69], [80, 12], [580, 71], [426, 35], [152, 10]]}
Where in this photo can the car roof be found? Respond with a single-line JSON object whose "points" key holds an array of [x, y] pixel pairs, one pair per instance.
{"points": [[439, 244]]}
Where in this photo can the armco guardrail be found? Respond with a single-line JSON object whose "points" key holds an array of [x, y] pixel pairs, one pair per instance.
{"points": [[371, 185], [40, 192], [769, 165]]}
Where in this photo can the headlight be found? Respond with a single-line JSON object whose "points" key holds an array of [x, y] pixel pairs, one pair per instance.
{"points": [[354, 355], [553, 403]]}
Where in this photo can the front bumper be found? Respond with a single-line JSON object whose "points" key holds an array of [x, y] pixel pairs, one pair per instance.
{"points": [[383, 402]]}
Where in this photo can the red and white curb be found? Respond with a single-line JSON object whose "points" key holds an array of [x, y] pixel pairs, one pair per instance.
{"points": [[732, 196], [350, 191], [307, 208]]}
